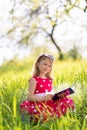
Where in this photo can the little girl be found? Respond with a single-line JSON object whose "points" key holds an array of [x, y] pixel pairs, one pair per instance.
{"points": [[39, 103]]}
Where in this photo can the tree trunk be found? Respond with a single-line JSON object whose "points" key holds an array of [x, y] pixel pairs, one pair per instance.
{"points": [[58, 48]]}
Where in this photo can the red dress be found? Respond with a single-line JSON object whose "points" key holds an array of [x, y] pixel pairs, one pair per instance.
{"points": [[46, 108]]}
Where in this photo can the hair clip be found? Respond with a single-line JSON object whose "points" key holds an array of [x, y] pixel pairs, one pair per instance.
{"points": [[49, 56]]}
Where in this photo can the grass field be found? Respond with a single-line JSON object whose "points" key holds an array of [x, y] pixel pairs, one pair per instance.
{"points": [[13, 88]]}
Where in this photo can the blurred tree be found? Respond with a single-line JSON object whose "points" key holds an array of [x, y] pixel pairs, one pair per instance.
{"points": [[74, 54], [40, 17]]}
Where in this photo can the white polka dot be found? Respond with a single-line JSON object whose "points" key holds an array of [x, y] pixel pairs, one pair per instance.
{"points": [[32, 106], [48, 84], [39, 105], [44, 80], [56, 108], [35, 110], [68, 101], [63, 109], [61, 103], [25, 106], [41, 86], [37, 91]]}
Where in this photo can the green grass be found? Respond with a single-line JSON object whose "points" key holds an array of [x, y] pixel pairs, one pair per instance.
{"points": [[13, 88]]}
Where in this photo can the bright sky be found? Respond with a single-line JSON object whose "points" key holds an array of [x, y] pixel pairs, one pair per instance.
{"points": [[4, 8], [7, 50], [73, 32]]}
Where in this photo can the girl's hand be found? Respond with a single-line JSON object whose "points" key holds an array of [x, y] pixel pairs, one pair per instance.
{"points": [[48, 97]]}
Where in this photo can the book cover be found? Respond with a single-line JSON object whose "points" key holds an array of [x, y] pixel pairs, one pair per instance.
{"points": [[63, 93]]}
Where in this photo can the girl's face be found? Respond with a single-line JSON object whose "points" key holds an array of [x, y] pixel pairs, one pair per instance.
{"points": [[45, 66]]}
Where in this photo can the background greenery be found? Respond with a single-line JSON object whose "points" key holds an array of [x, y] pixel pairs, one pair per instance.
{"points": [[14, 77]]}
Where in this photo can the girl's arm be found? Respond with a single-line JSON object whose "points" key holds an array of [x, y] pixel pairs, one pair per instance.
{"points": [[31, 96]]}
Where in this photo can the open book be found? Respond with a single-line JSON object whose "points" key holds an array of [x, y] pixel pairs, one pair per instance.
{"points": [[63, 93]]}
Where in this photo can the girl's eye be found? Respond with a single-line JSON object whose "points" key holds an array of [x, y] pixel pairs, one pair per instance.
{"points": [[44, 64]]}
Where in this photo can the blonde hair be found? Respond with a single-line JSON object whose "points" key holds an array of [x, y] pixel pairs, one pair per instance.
{"points": [[36, 71]]}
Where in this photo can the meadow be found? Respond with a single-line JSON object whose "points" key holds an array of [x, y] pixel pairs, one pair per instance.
{"points": [[13, 88]]}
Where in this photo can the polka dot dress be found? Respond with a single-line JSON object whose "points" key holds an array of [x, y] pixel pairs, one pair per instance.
{"points": [[46, 108]]}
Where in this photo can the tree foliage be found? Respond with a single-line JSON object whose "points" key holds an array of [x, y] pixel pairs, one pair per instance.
{"points": [[40, 17]]}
